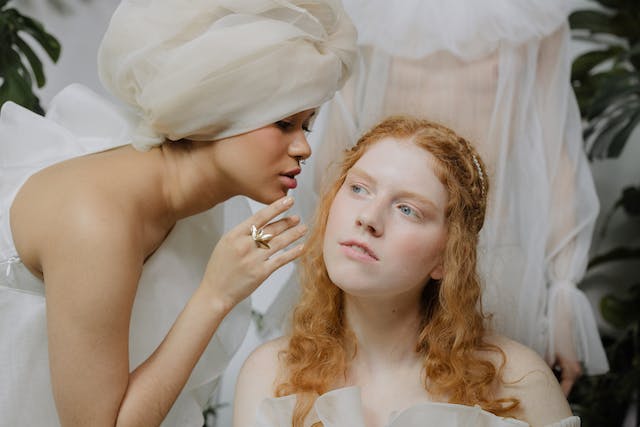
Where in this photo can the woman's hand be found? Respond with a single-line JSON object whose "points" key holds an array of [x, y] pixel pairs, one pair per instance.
{"points": [[238, 265]]}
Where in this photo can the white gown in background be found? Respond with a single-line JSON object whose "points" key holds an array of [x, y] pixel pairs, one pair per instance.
{"points": [[79, 122], [343, 408], [497, 72]]}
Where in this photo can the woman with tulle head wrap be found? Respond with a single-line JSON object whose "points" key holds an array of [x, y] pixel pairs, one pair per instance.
{"points": [[389, 329], [115, 274]]}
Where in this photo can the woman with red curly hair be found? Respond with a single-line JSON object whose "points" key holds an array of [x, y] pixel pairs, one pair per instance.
{"points": [[389, 330]]}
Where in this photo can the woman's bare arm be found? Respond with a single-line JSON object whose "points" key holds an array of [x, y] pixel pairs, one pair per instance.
{"points": [[91, 263]]}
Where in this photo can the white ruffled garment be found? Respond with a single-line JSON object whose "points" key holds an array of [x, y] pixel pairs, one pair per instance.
{"points": [[343, 408], [79, 122]]}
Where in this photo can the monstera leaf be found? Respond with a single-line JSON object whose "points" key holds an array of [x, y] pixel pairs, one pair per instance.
{"points": [[20, 66], [606, 80]]}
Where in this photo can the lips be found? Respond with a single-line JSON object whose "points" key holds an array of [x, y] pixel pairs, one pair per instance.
{"points": [[359, 250], [289, 178]]}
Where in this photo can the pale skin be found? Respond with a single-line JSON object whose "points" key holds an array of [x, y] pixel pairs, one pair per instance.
{"points": [[398, 217], [87, 225]]}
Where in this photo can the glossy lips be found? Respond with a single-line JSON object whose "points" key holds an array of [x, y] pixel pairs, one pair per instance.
{"points": [[289, 178]]}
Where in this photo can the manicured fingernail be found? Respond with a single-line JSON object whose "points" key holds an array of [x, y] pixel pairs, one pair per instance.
{"points": [[287, 201]]}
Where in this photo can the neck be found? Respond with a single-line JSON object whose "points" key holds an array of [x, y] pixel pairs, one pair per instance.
{"points": [[386, 329], [190, 183]]}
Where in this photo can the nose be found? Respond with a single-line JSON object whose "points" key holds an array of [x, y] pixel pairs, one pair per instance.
{"points": [[370, 220], [300, 148]]}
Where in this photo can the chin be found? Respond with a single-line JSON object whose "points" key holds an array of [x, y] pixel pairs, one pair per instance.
{"points": [[268, 197], [352, 283]]}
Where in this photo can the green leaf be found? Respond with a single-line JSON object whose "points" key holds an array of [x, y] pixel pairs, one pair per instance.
{"points": [[634, 56], [34, 61], [611, 4], [621, 253], [591, 20], [586, 62], [613, 126], [18, 89], [613, 92], [620, 139], [625, 26], [616, 311], [48, 42]]}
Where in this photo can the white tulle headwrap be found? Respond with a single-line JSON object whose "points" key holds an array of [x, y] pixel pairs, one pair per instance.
{"points": [[209, 69]]}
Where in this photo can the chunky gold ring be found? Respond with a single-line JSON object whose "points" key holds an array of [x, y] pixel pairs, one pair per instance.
{"points": [[261, 239]]}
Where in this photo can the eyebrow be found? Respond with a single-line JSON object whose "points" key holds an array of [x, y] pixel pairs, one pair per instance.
{"points": [[404, 194]]}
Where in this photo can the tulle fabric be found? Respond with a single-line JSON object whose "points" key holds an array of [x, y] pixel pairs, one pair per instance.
{"points": [[343, 408], [416, 28], [207, 69], [516, 105], [78, 123]]}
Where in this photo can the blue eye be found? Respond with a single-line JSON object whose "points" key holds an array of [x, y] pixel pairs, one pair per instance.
{"points": [[355, 188], [406, 210]]}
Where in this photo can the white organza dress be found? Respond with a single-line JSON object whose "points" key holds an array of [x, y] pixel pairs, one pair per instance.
{"points": [[497, 72], [78, 123], [343, 408]]}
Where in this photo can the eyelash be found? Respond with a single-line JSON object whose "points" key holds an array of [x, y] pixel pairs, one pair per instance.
{"points": [[355, 187], [288, 127]]}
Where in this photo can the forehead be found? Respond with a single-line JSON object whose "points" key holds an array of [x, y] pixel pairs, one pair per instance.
{"points": [[404, 166]]}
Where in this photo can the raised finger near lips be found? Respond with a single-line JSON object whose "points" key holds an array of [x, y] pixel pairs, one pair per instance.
{"points": [[263, 217]]}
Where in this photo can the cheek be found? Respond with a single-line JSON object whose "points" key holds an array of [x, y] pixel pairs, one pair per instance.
{"points": [[419, 252], [264, 147], [332, 224]]}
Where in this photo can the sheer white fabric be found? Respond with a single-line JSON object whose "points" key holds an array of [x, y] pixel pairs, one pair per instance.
{"points": [[79, 123], [511, 97], [343, 408], [211, 69]]}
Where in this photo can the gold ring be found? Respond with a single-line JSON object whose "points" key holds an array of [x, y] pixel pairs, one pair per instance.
{"points": [[261, 239]]}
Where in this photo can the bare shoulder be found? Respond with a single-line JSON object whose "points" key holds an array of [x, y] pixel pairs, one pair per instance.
{"points": [[57, 210], [527, 377], [257, 380]]}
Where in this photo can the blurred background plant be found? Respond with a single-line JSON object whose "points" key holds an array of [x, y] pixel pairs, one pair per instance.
{"points": [[606, 79], [20, 66]]}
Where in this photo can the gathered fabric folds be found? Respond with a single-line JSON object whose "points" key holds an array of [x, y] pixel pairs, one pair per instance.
{"points": [[511, 97], [343, 408], [78, 123], [244, 64]]}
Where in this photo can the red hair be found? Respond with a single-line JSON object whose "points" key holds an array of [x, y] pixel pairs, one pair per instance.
{"points": [[452, 334]]}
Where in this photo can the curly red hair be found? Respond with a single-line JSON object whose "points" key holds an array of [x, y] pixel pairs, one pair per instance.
{"points": [[453, 330]]}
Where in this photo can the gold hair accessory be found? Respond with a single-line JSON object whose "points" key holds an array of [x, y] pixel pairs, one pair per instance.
{"points": [[480, 172], [261, 239]]}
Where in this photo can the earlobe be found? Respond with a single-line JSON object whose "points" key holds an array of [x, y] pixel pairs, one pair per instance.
{"points": [[437, 272]]}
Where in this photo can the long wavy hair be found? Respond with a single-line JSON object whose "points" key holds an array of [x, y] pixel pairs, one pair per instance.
{"points": [[452, 328]]}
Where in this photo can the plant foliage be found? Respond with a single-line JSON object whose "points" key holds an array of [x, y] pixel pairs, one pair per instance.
{"points": [[605, 399], [20, 66], [606, 80]]}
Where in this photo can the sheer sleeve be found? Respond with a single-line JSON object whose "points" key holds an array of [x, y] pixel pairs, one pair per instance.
{"points": [[573, 210]]}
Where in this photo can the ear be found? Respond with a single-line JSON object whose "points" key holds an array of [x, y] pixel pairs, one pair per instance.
{"points": [[437, 272]]}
